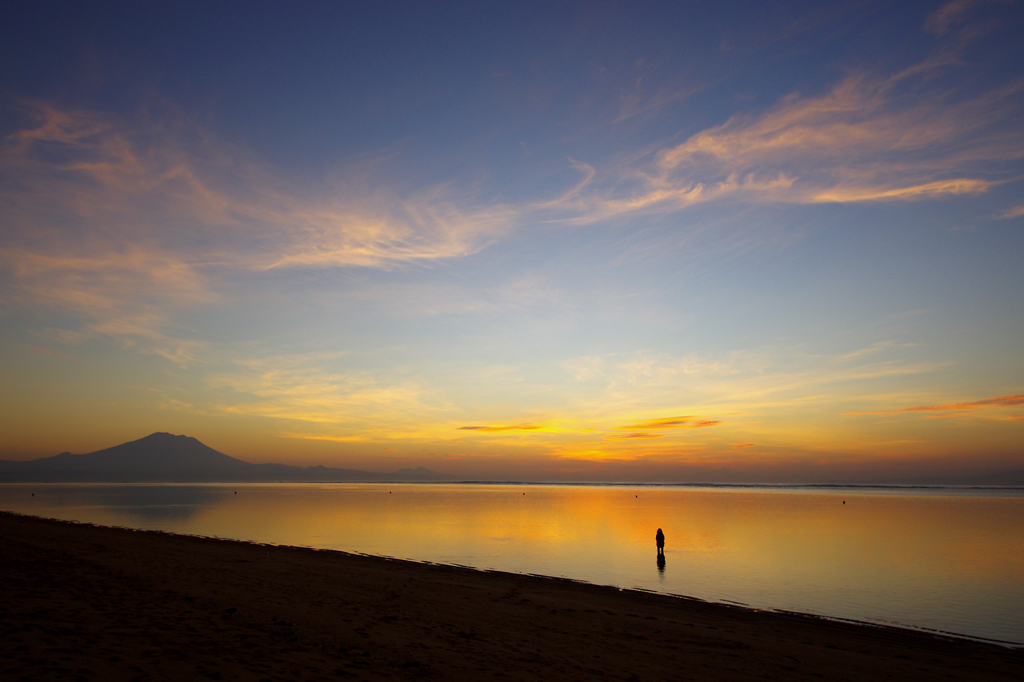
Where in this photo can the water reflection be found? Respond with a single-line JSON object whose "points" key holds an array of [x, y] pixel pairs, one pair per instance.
{"points": [[946, 562], [141, 505]]}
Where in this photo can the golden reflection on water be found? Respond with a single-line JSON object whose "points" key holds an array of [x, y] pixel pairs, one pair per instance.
{"points": [[929, 560]]}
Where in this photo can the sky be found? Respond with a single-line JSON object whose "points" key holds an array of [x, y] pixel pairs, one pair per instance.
{"points": [[731, 241]]}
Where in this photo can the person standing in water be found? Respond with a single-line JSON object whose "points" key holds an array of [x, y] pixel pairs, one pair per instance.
{"points": [[659, 540]]}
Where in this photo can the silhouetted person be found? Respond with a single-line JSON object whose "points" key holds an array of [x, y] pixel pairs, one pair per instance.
{"points": [[659, 540]]}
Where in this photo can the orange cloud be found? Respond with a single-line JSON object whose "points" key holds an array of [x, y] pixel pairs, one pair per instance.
{"points": [[514, 427], [670, 423], [1001, 401], [743, 445], [635, 434], [925, 190]]}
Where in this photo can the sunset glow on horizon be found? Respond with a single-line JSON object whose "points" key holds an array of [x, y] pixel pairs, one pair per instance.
{"points": [[569, 241]]}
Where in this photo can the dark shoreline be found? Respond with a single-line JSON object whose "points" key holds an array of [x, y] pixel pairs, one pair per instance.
{"points": [[93, 602]]}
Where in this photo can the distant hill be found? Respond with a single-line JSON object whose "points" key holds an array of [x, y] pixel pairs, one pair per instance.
{"points": [[166, 458]]}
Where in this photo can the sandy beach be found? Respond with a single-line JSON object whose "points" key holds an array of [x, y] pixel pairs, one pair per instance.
{"points": [[83, 602]]}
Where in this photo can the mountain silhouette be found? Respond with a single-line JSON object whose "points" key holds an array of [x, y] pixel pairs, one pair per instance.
{"points": [[166, 458]]}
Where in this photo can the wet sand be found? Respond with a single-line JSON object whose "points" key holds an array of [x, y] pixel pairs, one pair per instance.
{"points": [[83, 602]]}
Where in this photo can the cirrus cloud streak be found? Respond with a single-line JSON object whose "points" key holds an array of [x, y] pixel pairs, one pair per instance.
{"points": [[869, 138], [1000, 401]]}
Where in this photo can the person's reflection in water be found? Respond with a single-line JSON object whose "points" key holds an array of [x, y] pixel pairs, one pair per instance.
{"points": [[661, 565]]}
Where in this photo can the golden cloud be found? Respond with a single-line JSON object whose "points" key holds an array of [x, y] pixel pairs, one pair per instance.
{"points": [[670, 423], [635, 434]]}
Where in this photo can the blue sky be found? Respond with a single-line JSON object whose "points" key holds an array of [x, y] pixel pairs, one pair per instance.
{"points": [[745, 241]]}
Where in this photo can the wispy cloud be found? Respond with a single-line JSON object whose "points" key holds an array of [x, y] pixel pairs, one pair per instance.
{"points": [[635, 434], [869, 138], [121, 224], [1015, 212], [319, 391], [871, 350], [493, 428], [940, 21], [642, 430], [671, 423], [128, 296], [1000, 401], [126, 180], [751, 394], [44, 351]]}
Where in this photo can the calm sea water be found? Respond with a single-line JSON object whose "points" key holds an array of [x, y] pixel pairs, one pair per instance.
{"points": [[943, 559]]}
